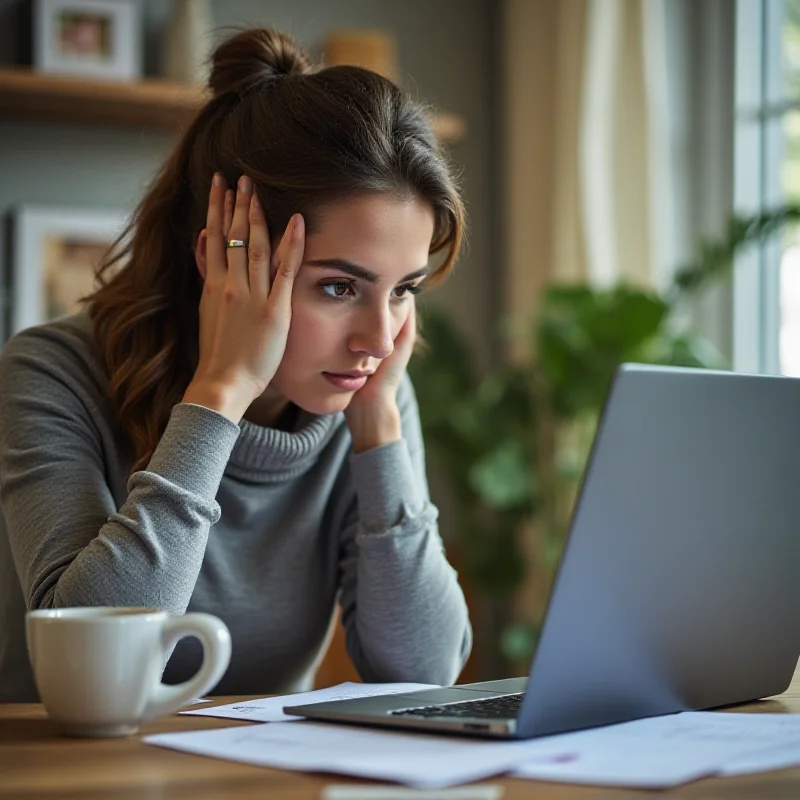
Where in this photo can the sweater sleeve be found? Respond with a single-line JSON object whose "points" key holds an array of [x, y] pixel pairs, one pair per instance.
{"points": [[71, 545], [402, 608]]}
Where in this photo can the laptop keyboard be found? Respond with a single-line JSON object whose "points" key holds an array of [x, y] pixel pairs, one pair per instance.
{"points": [[504, 707]]}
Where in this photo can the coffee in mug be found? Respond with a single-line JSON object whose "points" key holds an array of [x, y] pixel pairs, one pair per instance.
{"points": [[98, 670]]}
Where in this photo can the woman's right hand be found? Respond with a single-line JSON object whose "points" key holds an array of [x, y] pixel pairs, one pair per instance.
{"points": [[244, 319]]}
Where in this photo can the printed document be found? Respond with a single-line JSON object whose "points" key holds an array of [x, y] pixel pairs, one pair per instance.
{"points": [[423, 761], [270, 709], [673, 749], [657, 752]]}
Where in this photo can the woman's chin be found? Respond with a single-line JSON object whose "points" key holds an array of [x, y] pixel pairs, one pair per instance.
{"points": [[322, 404]]}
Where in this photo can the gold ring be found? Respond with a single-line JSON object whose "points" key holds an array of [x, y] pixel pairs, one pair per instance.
{"points": [[237, 243]]}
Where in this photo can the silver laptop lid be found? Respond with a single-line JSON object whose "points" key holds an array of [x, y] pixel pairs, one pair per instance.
{"points": [[679, 586]]}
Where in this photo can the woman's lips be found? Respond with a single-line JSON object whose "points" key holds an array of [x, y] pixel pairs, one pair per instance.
{"points": [[347, 383]]}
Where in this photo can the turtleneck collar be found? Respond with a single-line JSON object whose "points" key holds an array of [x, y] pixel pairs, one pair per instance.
{"points": [[267, 454]]}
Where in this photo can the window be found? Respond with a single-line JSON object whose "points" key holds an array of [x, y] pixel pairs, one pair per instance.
{"points": [[767, 174]]}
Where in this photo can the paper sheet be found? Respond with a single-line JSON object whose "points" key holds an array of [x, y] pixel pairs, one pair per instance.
{"points": [[669, 750], [773, 758], [651, 753], [270, 709], [423, 761], [358, 791]]}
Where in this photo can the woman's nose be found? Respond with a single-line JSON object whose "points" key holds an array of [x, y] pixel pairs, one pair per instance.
{"points": [[374, 337]]}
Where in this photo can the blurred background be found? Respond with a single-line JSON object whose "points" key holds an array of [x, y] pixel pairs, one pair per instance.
{"points": [[631, 170]]}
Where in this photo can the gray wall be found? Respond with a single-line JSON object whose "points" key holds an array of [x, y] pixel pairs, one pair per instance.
{"points": [[446, 53]]}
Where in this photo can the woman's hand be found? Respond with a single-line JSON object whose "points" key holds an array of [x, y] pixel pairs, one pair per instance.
{"points": [[373, 416], [244, 321]]}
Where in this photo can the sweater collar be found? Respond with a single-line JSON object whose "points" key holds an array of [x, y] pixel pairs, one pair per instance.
{"points": [[267, 453]]}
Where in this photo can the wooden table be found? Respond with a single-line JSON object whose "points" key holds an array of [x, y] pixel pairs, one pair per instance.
{"points": [[35, 762]]}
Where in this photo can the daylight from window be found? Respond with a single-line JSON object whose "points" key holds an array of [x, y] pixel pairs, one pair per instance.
{"points": [[790, 183]]}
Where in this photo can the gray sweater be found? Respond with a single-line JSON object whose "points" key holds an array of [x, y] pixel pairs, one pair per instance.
{"points": [[264, 528]]}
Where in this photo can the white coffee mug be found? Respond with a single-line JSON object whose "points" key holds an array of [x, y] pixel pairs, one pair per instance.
{"points": [[98, 670]]}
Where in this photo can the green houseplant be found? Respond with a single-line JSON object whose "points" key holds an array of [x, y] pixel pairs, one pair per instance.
{"points": [[512, 441]]}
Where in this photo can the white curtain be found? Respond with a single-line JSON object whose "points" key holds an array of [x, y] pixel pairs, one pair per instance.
{"points": [[588, 159], [624, 153], [609, 181]]}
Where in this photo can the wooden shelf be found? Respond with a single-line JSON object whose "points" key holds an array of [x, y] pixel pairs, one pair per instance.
{"points": [[53, 98], [155, 104]]}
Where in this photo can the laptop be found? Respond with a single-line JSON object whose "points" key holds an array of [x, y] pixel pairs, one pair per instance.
{"points": [[678, 587]]}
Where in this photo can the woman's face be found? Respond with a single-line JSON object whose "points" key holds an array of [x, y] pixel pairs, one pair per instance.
{"points": [[352, 295]]}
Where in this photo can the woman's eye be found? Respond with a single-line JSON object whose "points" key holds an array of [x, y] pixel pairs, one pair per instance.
{"points": [[336, 288], [401, 291]]}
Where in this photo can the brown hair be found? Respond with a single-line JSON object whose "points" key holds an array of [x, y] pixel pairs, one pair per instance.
{"points": [[307, 138]]}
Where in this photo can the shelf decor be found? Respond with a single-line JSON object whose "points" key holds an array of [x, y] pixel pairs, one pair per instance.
{"points": [[54, 255], [371, 49], [92, 38], [189, 42]]}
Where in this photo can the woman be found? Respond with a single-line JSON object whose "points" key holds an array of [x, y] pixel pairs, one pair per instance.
{"points": [[229, 427]]}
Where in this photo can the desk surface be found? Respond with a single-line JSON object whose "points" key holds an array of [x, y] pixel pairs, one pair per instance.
{"points": [[36, 762]]}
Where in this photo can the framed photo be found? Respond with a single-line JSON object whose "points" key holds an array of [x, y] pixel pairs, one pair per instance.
{"points": [[54, 255], [97, 38]]}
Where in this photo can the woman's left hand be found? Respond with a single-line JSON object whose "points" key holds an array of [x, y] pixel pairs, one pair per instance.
{"points": [[373, 416]]}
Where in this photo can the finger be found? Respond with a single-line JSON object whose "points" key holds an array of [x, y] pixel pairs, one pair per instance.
{"points": [[258, 252], [289, 258], [240, 229], [230, 196], [411, 322], [408, 333], [281, 250], [393, 366], [215, 237]]}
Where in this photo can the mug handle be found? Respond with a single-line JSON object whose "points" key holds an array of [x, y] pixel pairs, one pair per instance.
{"points": [[216, 641]]}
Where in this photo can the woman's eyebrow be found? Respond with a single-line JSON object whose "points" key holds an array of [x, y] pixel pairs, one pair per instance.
{"points": [[358, 272]]}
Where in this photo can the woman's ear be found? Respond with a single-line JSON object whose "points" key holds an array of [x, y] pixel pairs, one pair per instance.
{"points": [[200, 253]]}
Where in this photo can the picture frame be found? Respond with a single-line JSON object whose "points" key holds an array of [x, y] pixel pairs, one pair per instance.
{"points": [[93, 38], [53, 256]]}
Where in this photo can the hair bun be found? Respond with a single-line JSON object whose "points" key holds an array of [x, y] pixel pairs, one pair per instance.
{"points": [[253, 56]]}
